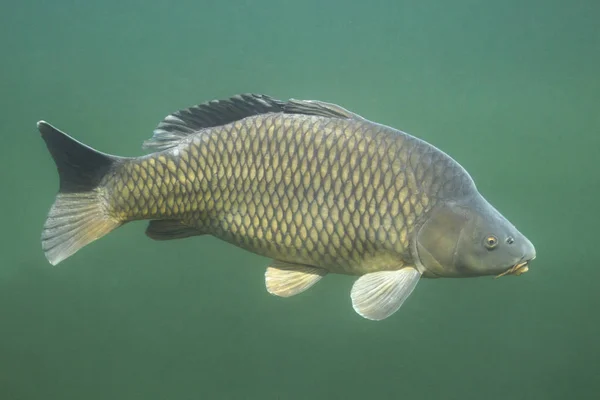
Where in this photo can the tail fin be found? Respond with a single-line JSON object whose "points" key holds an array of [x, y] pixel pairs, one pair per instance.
{"points": [[79, 214]]}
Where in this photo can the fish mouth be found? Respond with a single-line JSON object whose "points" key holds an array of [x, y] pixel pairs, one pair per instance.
{"points": [[519, 268]]}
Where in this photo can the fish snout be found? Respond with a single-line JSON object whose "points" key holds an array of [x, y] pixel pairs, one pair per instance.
{"points": [[527, 251], [521, 266]]}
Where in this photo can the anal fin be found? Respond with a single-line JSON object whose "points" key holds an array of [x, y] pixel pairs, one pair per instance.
{"points": [[167, 229], [285, 279], [378, 295]]}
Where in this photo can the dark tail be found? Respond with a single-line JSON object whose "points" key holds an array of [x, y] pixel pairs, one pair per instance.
{"points": [[79, 214]]}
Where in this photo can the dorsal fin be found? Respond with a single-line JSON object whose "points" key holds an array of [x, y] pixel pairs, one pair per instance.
{"points": [[177, 126], [182, 123], [318, 108]]}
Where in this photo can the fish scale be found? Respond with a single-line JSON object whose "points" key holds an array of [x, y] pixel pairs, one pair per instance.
{"points": [[315, 187]]}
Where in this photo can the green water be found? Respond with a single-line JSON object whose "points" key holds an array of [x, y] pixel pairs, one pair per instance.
{"points": [[510, 89]]}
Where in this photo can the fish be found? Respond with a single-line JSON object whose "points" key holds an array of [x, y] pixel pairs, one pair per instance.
{"points": [[314, 187]]}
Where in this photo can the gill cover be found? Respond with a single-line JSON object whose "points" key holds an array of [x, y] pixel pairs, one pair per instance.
{"points": [[437, 240]]}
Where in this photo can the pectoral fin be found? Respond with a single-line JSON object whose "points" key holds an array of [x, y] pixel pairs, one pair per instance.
{"points": [[285, 279], [378, 295]]}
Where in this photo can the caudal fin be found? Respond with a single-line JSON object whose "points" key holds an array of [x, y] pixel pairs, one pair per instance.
{"points": [[79, 214]]}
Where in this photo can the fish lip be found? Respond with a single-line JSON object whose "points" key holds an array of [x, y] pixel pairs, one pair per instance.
{"points": [[519, 268]]}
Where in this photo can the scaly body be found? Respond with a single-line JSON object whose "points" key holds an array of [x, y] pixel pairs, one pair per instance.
{"points": [[340, 194]]}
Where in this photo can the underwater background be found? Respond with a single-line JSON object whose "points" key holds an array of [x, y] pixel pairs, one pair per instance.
{"points": [[509, 89]]}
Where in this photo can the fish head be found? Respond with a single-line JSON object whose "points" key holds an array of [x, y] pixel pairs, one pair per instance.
{"points": [[471, 238]]}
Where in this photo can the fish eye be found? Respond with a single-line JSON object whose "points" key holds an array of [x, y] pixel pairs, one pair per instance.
{"points": [[490, 242], [510, 240]]}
